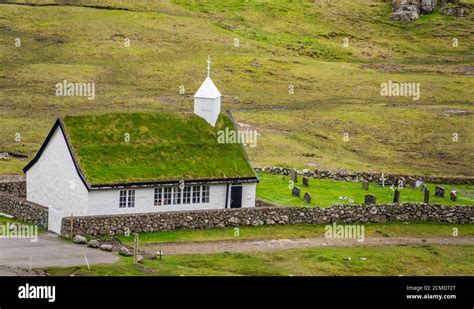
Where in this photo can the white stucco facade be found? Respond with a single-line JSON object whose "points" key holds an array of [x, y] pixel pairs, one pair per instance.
{"points": [[54, 182], [106, 202]]}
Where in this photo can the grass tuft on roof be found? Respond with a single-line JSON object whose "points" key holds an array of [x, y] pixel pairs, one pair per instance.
{"points": [[161, 147]]}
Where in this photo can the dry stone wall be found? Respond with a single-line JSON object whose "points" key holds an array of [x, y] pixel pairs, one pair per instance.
{"points": [[22, 210], [150, 222], [375, 177]]}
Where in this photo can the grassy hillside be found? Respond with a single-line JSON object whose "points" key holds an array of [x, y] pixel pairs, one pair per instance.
{"points": [[281, 43]]}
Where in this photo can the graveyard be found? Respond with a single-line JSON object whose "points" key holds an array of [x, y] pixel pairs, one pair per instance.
{"points": [[277, 189]]}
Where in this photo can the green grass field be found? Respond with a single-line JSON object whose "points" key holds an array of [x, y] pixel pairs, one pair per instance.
{"points": [[393, 229], [326, 192], [439, 260], [281, 44]]}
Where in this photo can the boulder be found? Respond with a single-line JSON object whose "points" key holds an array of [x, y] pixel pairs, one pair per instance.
{"points": [[78, 239], [125, 252], [93, 243], [454, 10], [106, 247], [140, 259], [405, 12], [427, 6]]}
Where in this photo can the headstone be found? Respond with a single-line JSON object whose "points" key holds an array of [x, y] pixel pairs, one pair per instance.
{"points": [[307, 197], [396, 196], [369, 199], [296, 191], [426, 198], [439, 191], [454, 195], [294, 175], [418, 184], [365, 185], [305, 181]]}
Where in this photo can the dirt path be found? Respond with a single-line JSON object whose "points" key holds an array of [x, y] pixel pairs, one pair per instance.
{"points": [[239, 246]]}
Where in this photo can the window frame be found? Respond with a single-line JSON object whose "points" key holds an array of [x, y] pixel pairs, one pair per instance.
{"points": [[206, 194], [177, 196], [196, 195]]}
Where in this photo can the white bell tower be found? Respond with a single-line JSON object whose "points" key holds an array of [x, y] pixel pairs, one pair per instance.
{"points": [[207, 100]]}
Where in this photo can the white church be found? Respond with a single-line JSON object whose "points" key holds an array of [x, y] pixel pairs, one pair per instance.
{"points": [[86, 168]]}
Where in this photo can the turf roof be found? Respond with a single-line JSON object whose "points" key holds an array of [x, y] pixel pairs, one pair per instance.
{"points": [[162, 147]]}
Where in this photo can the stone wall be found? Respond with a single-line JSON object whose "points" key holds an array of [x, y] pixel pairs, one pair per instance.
{"points": [[375, 177], [116, 225], [22, 210], [17, 188]]}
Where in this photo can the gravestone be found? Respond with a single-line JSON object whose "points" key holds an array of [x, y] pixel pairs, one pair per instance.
{"points": [[307, 197], [454, 195], [365, 185], [369, 199], [305, 181], [296, 191], [426, 198], [294, 175], [396, 196], [418, 184], [439, 191]]}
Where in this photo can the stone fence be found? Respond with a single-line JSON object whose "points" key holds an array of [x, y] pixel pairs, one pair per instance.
{"points": [[375, 177], [116, 225], [17, 188], [22, 210]]}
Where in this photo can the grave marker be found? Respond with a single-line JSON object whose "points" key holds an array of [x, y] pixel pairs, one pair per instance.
{"points": [[307, 197], [426, 198], [418, 183], [305, 181], [453, 195], [294, 175], [365, 185], [396, 196], [439, 191], [296, 191], [369, 199]]}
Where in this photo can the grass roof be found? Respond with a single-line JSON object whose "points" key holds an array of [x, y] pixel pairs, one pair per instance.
{"points": [[162, 147]]}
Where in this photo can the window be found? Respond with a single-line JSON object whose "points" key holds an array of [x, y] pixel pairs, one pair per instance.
{"points": [[205, 194], [127, 198], [196, 194], [167, 195], [176, 196], [123, 199], [187, 195], [158, 196], [131, 198]]}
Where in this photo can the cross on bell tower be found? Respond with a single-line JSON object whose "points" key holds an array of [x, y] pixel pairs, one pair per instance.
{"points": [[208, 66]]}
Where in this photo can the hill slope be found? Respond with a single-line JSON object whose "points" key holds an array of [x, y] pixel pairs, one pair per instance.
{"points": [[281, 44]]}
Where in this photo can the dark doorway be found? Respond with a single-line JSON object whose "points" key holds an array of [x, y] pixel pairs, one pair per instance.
{"points": [[236, 197]]}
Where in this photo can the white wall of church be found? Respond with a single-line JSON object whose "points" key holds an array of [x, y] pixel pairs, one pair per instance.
{"points": [[53, 180], [106, 202], [207, 108]]}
